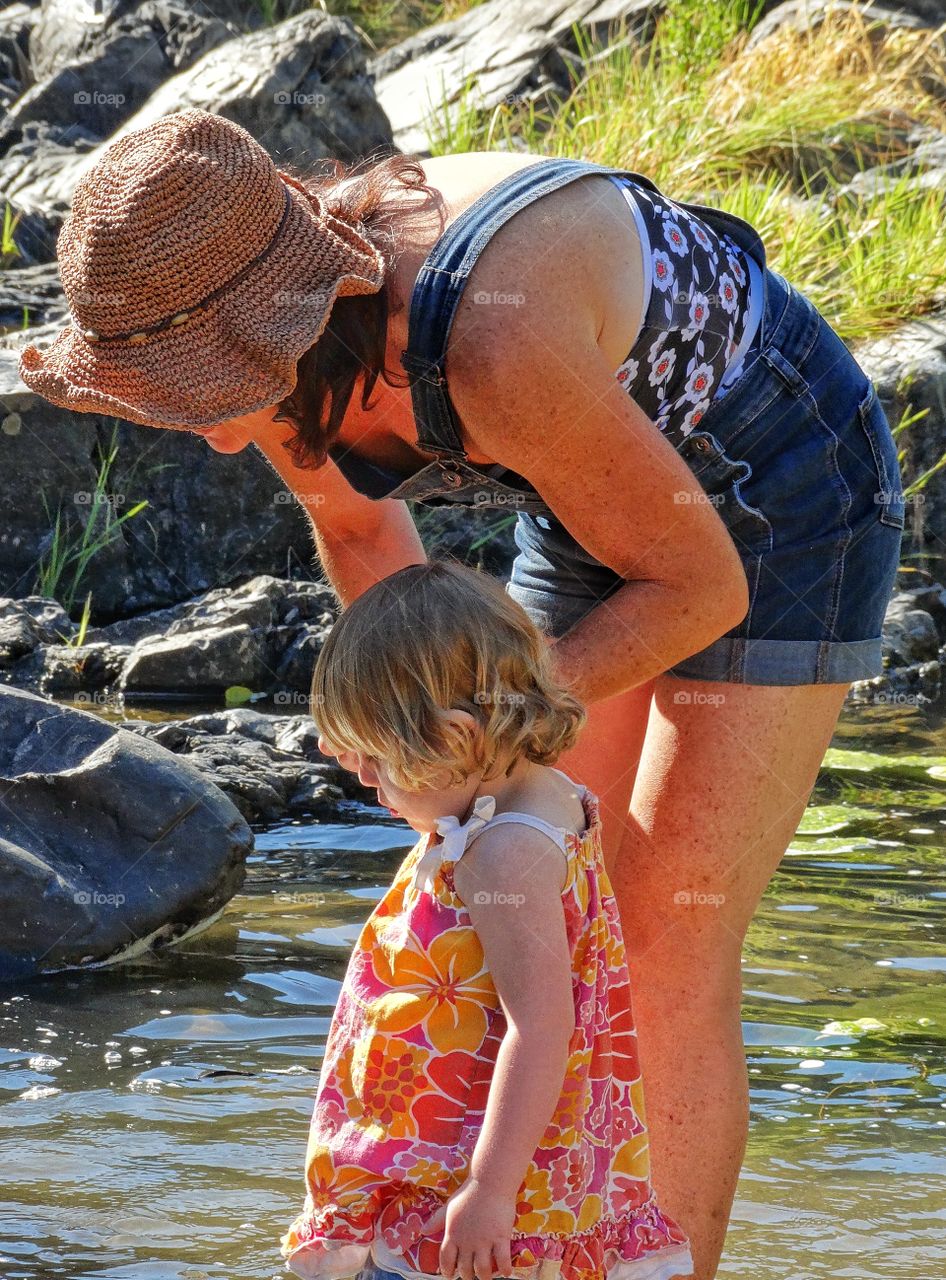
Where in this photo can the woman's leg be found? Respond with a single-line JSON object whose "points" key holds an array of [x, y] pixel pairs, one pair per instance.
{"points": [[724, 777], [605, 758]]}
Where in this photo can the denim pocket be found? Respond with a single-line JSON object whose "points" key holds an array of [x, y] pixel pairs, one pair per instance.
{"points": [[722, 478], [889, 495]]}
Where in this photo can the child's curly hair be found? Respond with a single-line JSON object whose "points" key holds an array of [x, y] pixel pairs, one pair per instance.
{"points": [[427, 638]]}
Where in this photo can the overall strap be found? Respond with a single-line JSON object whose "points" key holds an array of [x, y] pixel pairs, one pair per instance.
{"points": [[445, 271], [440, 283]]}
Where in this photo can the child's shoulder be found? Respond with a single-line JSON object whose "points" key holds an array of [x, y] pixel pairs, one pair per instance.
{"points": [[509, 855]]}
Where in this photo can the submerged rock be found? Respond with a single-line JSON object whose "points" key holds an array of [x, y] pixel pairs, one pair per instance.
{"points": [[108, 844]]}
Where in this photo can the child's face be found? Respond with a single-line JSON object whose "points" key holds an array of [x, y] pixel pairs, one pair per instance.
{"points": [[420, 809]]}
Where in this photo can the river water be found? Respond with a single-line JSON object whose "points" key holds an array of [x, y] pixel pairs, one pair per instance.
{"points": [[154, 1115]]}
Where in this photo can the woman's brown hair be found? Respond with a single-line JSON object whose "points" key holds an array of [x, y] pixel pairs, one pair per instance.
{"points": [[352, 345]]}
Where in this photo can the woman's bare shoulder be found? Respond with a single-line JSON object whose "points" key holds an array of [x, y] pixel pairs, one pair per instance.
{"points": [[568, 264]]}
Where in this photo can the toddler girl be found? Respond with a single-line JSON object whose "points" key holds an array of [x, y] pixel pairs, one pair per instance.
{"points": [[479, 1110]]}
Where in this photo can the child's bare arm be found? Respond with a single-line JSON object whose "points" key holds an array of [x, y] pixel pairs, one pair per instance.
{"points": [[510, 880]]}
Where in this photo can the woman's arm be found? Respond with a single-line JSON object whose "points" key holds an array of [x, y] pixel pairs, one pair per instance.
{"points": [[625, 494], [512, 888], [359, 540], [536, 393]]}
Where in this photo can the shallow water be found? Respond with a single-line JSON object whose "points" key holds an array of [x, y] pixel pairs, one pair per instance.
{"points": [[154, 1116]]}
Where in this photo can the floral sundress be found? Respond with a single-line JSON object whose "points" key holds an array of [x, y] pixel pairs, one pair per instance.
{"points": [[405, 1079]]}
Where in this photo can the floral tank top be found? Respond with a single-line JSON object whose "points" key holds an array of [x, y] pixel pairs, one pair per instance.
{"points": [[405, 1079]]}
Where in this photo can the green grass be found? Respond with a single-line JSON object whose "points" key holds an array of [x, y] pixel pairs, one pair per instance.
{"points": [[769, 135], [8, 246], [70, 552], [382, 23]]}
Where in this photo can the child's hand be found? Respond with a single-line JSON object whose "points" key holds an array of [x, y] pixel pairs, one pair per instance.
{"points": [[479, 1224]]}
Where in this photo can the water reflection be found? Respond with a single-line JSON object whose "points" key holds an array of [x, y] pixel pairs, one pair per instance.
{"points": [[155, 1116]]}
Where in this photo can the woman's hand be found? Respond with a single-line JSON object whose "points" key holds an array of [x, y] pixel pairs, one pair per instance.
{"points": [[476, 1242]]}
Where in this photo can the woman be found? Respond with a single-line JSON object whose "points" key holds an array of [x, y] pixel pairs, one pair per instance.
{"points": [[708, 502]]}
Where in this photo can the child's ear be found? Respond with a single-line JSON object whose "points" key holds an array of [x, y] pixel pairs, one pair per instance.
{"points": [[467, 724]]}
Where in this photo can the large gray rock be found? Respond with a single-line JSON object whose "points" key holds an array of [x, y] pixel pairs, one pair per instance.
{"points": [[804, 15], [109, 845], [910, 634], [300, 86], [212, 519], [923, 160], [908, 366], [498, 52], [269, 765], [264, 634], [69, 31], [80, 65]]}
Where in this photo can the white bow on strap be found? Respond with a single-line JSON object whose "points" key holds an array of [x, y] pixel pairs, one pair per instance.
{"points": [[455, 837]]}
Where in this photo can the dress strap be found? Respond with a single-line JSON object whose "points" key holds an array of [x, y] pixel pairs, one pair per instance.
{"points": [[456, 835], [530, 819]]}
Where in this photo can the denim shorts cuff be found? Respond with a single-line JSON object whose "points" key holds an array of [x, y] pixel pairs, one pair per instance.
{"points": [[741, 661]]}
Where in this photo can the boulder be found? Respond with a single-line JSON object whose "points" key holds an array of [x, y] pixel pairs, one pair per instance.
{"points": [[497, 52], [910, 634], [212, 519], [269, 765], [301, 85], [908, 366], [804, 15], [264, 634], [109, 845]]}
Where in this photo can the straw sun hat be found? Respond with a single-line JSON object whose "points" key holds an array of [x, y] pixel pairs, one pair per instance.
{"points": [[197, 273]]}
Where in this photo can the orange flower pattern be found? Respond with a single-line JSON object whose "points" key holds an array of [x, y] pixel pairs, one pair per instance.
{"points": [[404, 1085]]}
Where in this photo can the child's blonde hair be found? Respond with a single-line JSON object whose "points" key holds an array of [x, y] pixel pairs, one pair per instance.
{"points": [[427, 638]]}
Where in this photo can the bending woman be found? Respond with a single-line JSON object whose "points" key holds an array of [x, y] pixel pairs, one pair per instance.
{"points": [[707, 496]]}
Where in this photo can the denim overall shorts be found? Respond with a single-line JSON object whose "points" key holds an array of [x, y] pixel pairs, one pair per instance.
{"points": [[797, 455]]}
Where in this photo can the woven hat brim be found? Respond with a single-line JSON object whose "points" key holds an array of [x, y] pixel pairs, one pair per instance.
{"points": [[235, 356]]}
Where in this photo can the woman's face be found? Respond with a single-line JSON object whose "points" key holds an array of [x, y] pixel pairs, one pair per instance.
{"points": [[235, 434]]}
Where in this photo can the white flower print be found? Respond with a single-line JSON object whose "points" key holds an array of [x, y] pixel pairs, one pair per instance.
{"points": [[699, 314], [691, 419], [676, 239], [663, 368], [700, 236], [627, 372], [736, 268], [656, 346], [727, 292], [698, 383], [663, 270]]}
